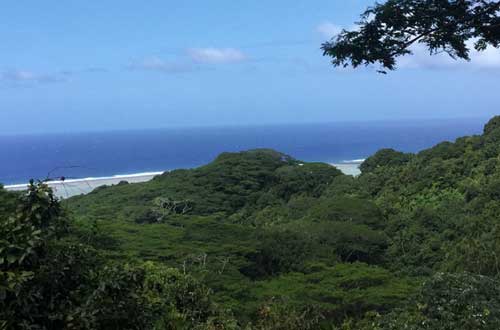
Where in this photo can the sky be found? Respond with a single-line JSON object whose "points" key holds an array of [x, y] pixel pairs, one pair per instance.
{"points": [[69, 66]]}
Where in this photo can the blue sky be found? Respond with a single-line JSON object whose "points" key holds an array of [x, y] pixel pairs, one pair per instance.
{"points": [[99, 65]]}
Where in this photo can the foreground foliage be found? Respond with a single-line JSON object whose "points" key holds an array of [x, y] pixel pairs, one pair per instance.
{"points": [[259, 240]]}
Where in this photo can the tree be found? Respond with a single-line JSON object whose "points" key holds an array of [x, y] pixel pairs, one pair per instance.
{"points": [[384, 157], [387, 31], [36, 275], [51, 280], [447, 302]]}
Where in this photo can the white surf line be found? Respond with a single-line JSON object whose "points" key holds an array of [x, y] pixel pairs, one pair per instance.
{"points": [[92, 179], [353, 161]]}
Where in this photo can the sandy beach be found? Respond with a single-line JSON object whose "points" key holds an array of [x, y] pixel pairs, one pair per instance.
{"points": [[74, 187], [349, 168]]}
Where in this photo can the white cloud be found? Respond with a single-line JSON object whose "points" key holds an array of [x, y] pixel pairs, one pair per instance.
{"points": [[487, 59], [216, 55], [23, 76], [328, 30], [157, 64], [192, 60], [490, 58], [421, 59]]}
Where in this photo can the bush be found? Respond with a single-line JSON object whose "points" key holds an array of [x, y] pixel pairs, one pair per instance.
{"points": [[384, 157]]}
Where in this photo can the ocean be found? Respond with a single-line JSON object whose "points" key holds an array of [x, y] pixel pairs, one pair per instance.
{"points": [[100, 154]]}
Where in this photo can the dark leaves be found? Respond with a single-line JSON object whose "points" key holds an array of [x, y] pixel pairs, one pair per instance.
{"points": [[387, 31]]}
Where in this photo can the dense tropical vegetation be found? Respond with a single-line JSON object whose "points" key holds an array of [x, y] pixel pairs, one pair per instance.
{"points": [[259, 240]]}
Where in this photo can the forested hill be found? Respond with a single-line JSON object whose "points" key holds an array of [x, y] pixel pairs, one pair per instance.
{"points": [[249, 180], [259, 240]]}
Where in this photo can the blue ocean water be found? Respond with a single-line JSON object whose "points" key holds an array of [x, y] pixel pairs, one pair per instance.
{"points": [[83, 155]]}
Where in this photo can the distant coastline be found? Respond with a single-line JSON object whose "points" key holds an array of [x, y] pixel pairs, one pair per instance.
{"points": [[353, 161], [349, 167], [73, 187], [99, 154]]}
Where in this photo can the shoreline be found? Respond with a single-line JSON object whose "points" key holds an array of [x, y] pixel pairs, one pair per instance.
{"points": [[112, 177], [74, 187], [351, 168]]}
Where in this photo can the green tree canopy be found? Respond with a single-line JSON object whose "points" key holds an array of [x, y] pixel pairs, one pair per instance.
{"points": [[387, 31]]}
